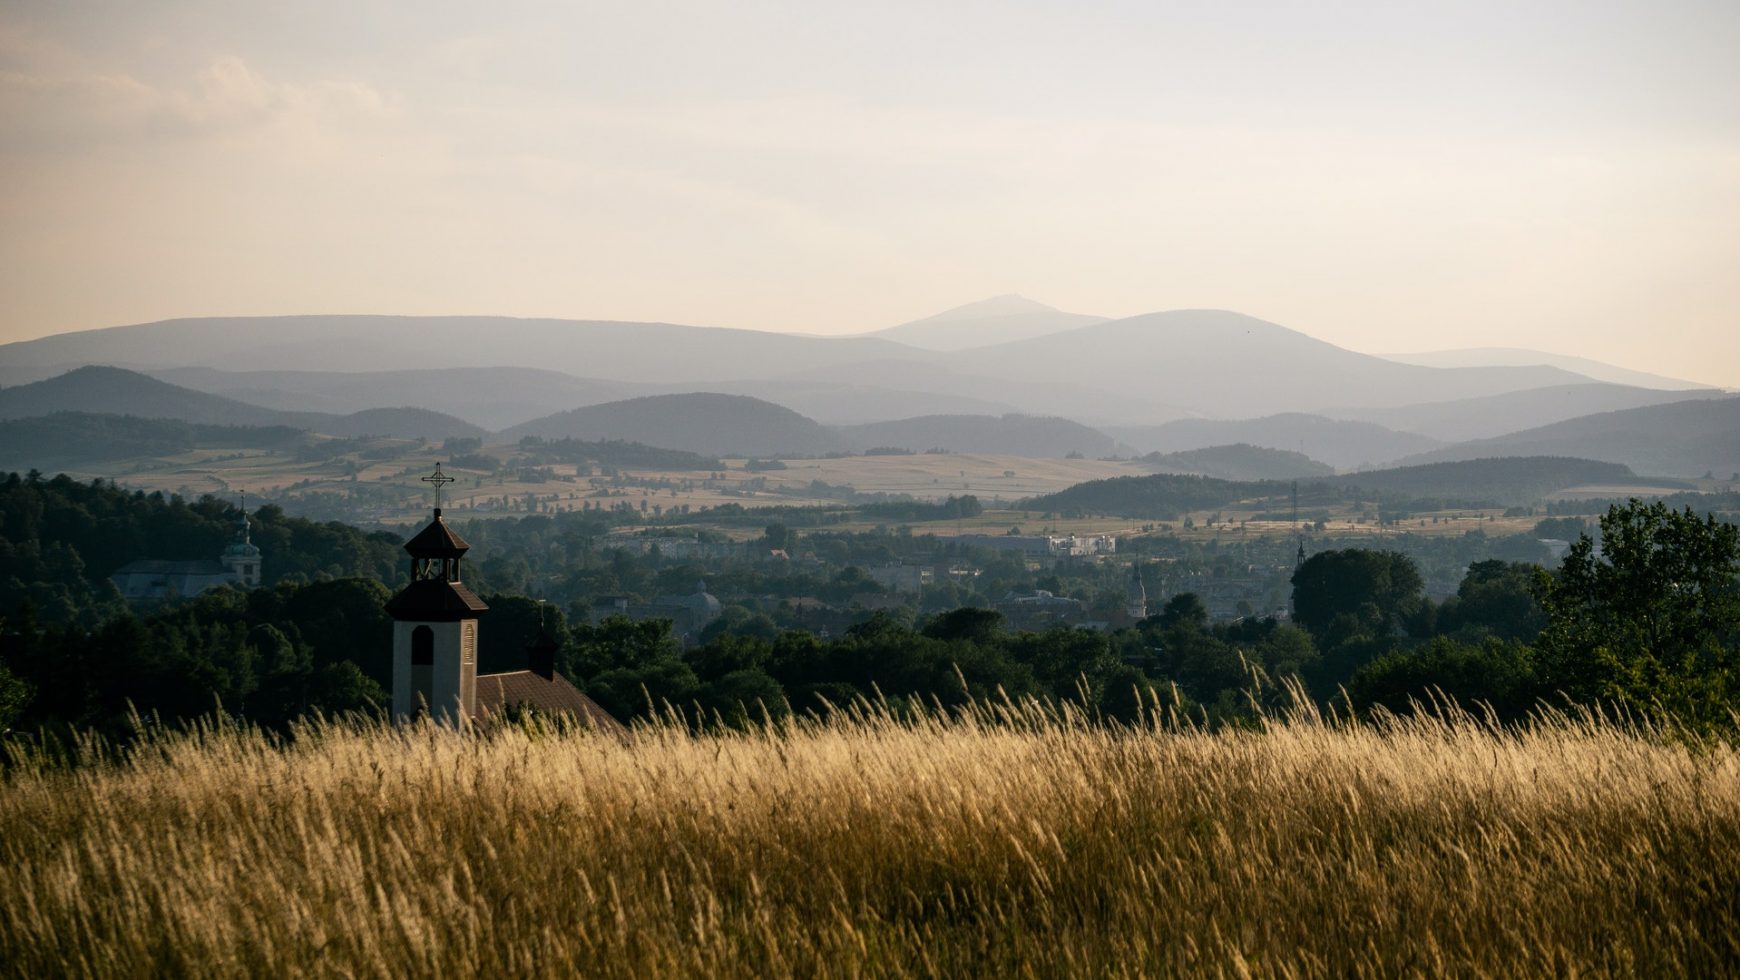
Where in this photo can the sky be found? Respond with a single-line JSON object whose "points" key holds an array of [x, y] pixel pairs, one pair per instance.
{"points": [[1385, 176]]}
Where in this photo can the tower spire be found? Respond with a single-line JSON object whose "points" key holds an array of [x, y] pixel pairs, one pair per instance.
{"points": [[438, 479]]}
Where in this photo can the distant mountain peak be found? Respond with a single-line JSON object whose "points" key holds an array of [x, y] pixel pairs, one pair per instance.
{"points": [[1008, 304]]}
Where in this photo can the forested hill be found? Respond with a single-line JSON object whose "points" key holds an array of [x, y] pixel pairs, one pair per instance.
{"points": [[1507, 481], [61, 539], [1474, 483], [1241, 461], [698, 422], [79, 438], [1008, 435]]}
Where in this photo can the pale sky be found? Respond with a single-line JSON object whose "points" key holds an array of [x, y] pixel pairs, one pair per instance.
{"points": [[1387, 176]]}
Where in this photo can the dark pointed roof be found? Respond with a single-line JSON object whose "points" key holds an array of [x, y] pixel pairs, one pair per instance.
{"points": [[435, 601], [437, 541]]}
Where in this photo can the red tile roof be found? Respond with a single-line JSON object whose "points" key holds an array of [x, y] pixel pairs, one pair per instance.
{"points": [[553, 696]]}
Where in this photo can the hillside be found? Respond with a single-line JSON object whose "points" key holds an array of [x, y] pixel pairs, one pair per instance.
{"points": [[1514, 481], [703, 422], [76, 439], [1518, 357], [1495, 415], [1225, 364], [1474, 483], [491, 397], [617, 351], [113, 391], [1340, 443], [1006, 435], [405, 423], [1684, 439], [991, 321], [1241, 461], [1140, 370]]}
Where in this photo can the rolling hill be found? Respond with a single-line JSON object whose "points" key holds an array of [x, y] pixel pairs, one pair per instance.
{"points": [[1224, 364], [1006, 435], [1519, 357], [1511, 481], [991, 321], [701, 422], [1241, 461], [404, 423], [115, 391], [491, 397], [1494, 415], [1683, 439], [1140, 370], [75, 439], [1472, 483], [618, 351], [1340, 443]]}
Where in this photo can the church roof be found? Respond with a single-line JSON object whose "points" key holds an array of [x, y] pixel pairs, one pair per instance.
{"points": [[152, 566], [553, 696], [437, 541], [435, 601]]}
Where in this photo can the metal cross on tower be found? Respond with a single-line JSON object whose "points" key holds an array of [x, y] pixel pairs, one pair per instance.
{"points": [[439, 479]]}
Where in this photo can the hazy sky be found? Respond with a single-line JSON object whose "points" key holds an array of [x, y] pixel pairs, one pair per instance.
{"points": [[1386, 176]]}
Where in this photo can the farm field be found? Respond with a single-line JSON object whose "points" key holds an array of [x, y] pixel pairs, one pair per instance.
{"points": [[389, 491], [1004, 842]]}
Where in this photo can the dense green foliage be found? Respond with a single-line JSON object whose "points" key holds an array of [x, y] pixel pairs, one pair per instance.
{"points": [[61, 539], [1650, 619], [71, 438], [1473, 483]]}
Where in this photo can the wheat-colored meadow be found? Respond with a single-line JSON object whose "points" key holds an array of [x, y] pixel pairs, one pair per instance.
{"points": [[1002, 842]]}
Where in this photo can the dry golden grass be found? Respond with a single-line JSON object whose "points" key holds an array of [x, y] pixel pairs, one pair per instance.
{"points": [[1022, 845]]}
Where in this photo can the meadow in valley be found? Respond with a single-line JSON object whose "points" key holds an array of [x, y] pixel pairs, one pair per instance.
{"points": [[1012, 840]]}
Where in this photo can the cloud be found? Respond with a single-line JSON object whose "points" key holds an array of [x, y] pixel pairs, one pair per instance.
{"points": [[53, 99]]}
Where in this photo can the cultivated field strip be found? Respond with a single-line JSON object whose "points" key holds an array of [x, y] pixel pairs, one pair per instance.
{"points": [[1018, 842]]}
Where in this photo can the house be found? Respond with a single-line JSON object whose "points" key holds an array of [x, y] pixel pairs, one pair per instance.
{"points": [[148, 579]]}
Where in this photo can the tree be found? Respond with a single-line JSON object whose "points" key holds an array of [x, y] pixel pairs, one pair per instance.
{"points": [[1377, 589], [1652, 620]]}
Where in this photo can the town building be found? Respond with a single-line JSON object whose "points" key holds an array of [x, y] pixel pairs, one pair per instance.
{"points": [[149, 579]]}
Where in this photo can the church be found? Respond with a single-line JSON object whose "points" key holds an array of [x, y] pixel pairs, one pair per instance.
{"points": [[435, 623], [148, 579]]}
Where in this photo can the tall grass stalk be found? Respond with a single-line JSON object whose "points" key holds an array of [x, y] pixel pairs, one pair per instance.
{"points": [[1005, 840]]}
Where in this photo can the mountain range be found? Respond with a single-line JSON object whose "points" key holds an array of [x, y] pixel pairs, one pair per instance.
{"points": [[1006, 375]]}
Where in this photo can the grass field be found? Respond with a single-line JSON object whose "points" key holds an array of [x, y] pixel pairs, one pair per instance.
{"points": [[1013, 844]]}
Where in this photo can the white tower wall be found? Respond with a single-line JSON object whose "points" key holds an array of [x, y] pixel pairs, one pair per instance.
{"points": [[451, 681]]}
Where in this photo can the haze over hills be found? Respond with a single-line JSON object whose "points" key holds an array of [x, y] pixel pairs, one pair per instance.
{"points": [[1521, 357], [1007, 435], [700, 422], [631, 352], [1340, 443], [119, 392], [1140, 370], [1225, 364], [1493, 415], [115, 391], [997, 320], [1685, 439], [491, 397], [1240, 461]]}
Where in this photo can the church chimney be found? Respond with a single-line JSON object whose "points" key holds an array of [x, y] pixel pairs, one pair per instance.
{"points": [[541, 656]]}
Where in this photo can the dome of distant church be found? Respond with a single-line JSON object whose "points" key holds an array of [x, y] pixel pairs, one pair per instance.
{"points": [[701, 601]]}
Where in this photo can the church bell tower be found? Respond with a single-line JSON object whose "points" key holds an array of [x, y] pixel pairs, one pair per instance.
{"points": [[435, 626]]}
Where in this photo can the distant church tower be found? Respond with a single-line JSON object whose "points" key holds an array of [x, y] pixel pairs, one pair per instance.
{"points": [[241, 558], [1136, 597], [435, 626]]}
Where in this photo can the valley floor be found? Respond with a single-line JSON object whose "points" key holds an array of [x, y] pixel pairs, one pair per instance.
{"points": [[1005, 843]]}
